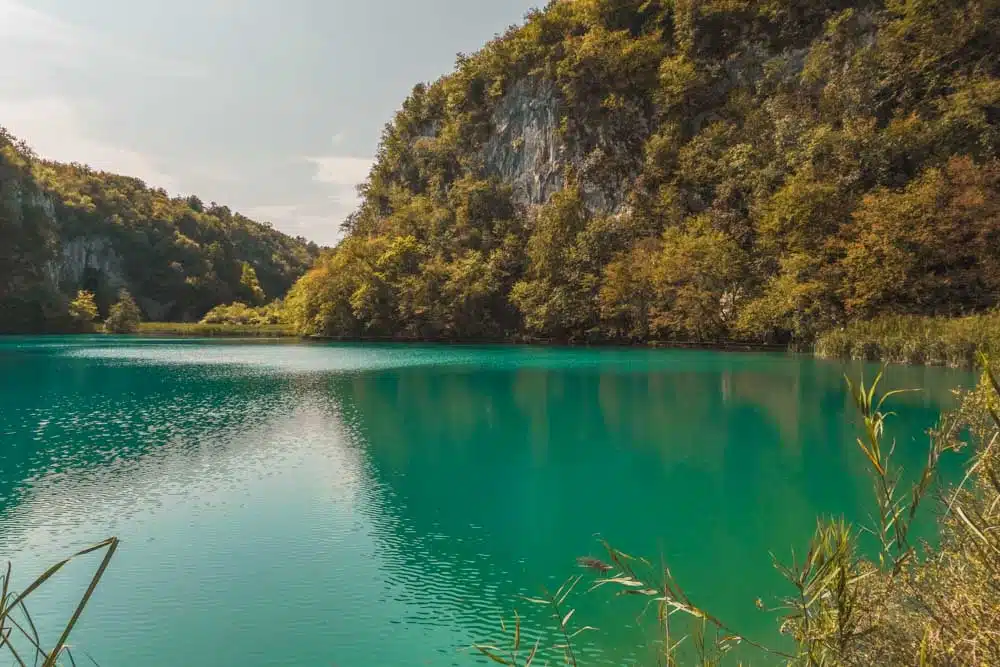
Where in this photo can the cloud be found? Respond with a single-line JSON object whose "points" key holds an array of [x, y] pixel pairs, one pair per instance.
{"points": [[55, 97], [318, 221], [37, 41], [56, 130], [28, 24], [37, 105], [341, 171], [339, 175], [319, 217]]}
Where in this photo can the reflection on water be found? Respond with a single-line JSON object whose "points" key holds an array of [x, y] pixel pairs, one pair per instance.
{"points": [[369, 505]]}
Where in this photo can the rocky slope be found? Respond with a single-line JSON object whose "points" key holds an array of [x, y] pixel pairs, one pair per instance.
{"points": [[64, 228], [668, 169]]}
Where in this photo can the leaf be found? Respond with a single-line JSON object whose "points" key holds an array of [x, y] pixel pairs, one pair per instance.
{"points": [[112, 545], [874, 386], [559, 599], [871, 456], [567, 617], [894, 392], [586, 628], [624, 581], [974, 529], [488, 652], [45, 576], [535, 600], [531, 656]]}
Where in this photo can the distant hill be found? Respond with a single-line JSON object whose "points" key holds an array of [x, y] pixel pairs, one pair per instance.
{"points": [[65, 227], [628, 170]]}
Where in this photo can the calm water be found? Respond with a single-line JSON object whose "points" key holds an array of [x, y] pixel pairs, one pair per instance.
{"points": [[352, 505]]}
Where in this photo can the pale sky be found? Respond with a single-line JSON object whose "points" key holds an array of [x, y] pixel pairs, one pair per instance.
{"points": [[272, 107]]}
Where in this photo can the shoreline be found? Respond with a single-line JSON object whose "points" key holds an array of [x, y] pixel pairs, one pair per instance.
{"points": [[907, 342]]}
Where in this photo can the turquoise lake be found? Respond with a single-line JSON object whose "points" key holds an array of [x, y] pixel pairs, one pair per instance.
{"points": [[368, 505]]}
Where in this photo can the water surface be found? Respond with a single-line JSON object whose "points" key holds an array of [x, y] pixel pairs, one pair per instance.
{"points": [[366, 505]]}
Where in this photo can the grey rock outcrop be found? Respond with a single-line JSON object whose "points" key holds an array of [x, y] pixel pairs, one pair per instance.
{"points": [[77, 255]]}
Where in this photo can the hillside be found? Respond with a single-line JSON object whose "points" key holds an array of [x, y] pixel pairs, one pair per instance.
{"points": [[65, 227], [627, 170]]}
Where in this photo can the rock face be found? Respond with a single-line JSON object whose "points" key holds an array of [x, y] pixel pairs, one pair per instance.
{"points": [[525, 149], [85, 255], [66, 227]]}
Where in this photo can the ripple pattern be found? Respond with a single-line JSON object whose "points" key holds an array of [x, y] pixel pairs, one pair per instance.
{"points": [[368, 505]]}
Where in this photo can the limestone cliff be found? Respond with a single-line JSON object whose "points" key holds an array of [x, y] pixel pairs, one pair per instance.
{"points": [[64, 228], [635, 169]]}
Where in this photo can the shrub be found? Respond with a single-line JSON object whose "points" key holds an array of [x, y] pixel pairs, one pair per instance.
{"points": [[83, 310], [124, 316], [241, 314]]}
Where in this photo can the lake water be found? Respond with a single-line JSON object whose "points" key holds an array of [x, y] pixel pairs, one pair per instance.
{"points": [[364, 505]]}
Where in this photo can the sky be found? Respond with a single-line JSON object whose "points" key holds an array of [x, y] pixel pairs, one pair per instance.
{"points": [[272, 107]]}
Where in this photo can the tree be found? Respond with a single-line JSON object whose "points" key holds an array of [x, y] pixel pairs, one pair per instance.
{"points": [[249, 282], [637, 169], [83, 310], [931, 248], [557, 294], [124, 316], [698, 282]]}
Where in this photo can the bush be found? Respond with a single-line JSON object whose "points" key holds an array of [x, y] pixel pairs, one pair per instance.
{"points": [[243, 315], [83, 310], [124, 316]]}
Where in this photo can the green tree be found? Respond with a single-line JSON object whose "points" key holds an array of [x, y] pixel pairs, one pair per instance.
{"points": [[178, 254], [124, 316], [763, 170], [249, 282], [697, 282], [557, 294], [83, 310]]}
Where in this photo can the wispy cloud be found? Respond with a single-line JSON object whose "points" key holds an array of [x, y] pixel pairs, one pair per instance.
{"points": [[58, 131], [339, 170], [43, 50], [33, 39], [319, 218], [55, 95], [340, 175], [26, 29], [319, 222]]}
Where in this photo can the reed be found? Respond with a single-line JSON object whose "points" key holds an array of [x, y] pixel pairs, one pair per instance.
{"points": [[203, 330], [912, 339], [17, 629]]}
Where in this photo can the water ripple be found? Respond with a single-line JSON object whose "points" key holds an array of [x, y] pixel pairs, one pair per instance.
{"points": [[303, 504]]}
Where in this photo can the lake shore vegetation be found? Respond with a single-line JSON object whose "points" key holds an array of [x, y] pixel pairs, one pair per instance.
{"points": [[913, 339], [608, 171], [634, 171]]}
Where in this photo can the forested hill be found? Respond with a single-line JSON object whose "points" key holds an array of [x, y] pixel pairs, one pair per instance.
{"points": [[65, 227], [682, 169]]}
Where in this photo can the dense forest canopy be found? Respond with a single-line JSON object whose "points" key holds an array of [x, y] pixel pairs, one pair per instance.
{"points": [[677, 169], [66, 227]]}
